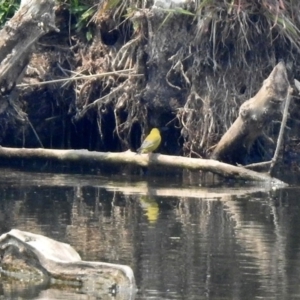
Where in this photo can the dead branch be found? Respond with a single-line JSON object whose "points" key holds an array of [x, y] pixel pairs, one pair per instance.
{"points": [[121, 73], [281, 132], [271, 164]]}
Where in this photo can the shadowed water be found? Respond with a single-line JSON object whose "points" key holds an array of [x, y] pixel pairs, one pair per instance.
{"points": [[181, 240]]}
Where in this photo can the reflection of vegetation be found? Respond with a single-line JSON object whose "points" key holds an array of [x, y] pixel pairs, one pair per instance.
{"points": [[213, 237], [150, 207]]}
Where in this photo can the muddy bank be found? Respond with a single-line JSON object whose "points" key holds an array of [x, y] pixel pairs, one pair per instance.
{"points": [[188, 67]]}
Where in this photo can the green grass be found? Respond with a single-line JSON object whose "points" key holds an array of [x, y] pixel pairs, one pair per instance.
{"points": [[7, 10], [82, 12]]}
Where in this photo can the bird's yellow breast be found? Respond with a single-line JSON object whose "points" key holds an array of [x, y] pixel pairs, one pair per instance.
{"points": [[151, 142]]}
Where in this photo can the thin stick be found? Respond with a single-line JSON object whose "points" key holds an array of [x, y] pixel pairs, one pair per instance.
{"points": [[81, 113], [281, 132], [258, 165], [35, 133], [119, 73]]}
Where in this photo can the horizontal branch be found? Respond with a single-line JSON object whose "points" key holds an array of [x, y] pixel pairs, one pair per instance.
{"points": [[144, 160]]}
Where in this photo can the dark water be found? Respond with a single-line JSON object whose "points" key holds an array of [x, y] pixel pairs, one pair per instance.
{"points": [[182, 241]]}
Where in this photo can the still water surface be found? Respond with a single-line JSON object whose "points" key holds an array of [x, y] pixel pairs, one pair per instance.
{"points": [[182, 241]]}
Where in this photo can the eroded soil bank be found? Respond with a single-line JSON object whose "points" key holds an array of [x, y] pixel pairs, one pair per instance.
{"points": [[188, 68]]}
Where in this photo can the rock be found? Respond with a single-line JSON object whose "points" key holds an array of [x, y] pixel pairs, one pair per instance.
{"points": [[37, 259]]}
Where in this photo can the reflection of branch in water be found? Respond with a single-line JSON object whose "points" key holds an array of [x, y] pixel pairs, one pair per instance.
{"points": [[269, 255], [128, 188], [143, 188], [280, 246], [262, 246]]}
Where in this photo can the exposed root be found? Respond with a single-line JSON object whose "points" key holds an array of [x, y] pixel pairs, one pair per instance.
{"points": [[125, 55], [105, 100]]}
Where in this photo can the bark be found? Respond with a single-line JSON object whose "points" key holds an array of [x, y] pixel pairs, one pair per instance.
{"points": [[34, 19], [128, 157], [255, 114]]}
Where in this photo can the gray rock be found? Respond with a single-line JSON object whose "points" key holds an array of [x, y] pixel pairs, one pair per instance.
{"points": [[37, 259]]}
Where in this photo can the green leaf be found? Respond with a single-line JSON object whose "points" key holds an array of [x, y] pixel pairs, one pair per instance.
{"points": [[79, 9], [89, 35]]}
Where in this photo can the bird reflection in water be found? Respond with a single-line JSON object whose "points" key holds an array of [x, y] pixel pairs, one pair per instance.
{"points": [[150, 208]]}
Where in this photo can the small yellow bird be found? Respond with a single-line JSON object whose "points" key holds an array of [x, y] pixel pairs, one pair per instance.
{"points": [[151, 142]]}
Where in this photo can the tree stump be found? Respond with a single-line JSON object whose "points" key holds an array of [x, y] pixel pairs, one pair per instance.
{"points": [[254, 115]]}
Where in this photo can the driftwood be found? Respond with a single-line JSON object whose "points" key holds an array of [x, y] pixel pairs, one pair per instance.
{"points": [[272, 163], [36, 258], [144, 160], [254, 115]]}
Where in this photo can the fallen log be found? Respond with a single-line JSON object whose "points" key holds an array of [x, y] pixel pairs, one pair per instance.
{"points": [[144, 160], [35, 258], [254, 115]]}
